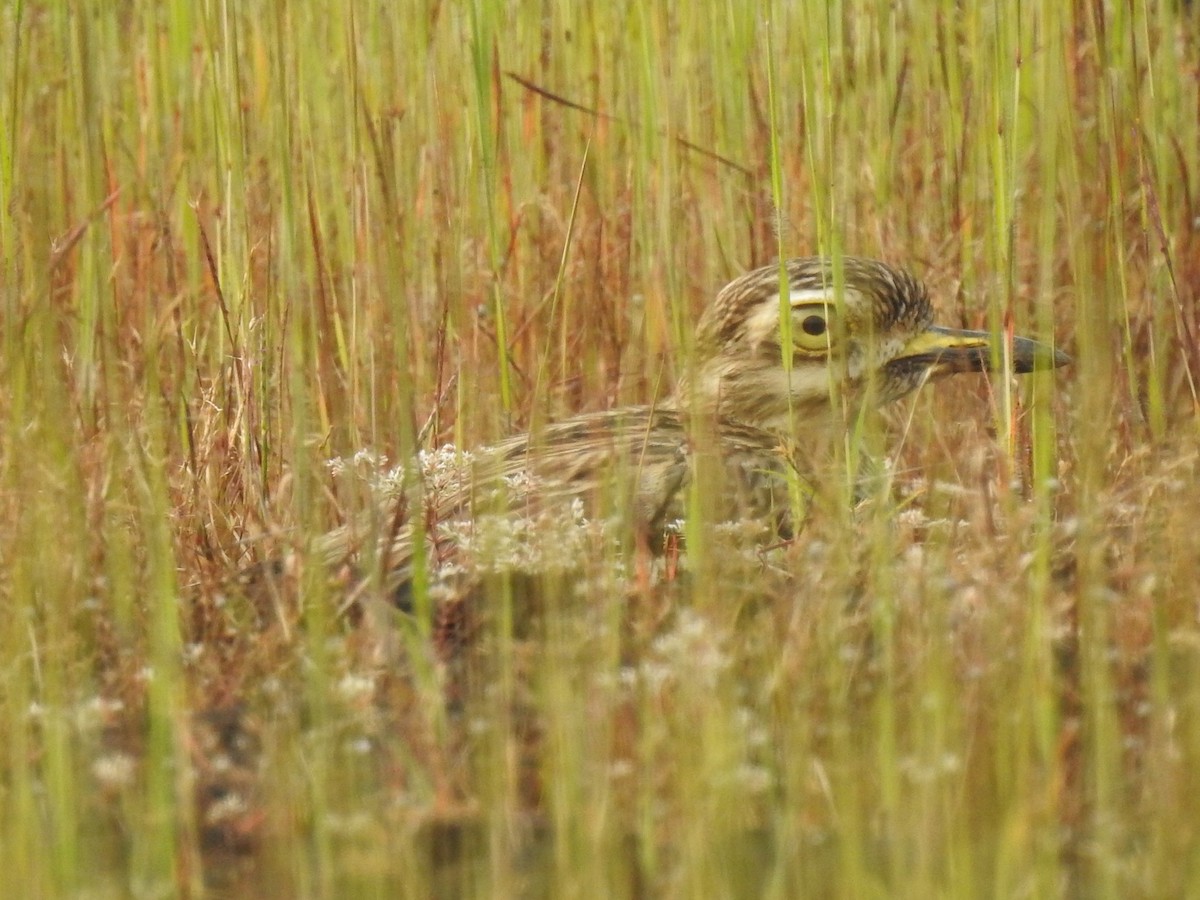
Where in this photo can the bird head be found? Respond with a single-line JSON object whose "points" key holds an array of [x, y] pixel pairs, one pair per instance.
{"points": [[870, 339]]}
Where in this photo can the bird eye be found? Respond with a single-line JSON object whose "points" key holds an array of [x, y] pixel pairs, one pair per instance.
{"points": [[814, 330]]}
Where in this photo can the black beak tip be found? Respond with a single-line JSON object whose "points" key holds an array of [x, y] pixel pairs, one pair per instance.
{"points": [[1038, 357]]}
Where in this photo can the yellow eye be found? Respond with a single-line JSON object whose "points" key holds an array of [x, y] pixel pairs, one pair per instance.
{"points": [[813, 327]]}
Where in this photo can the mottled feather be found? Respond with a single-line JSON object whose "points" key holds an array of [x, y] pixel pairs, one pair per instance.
{"points": [[861, 331]]}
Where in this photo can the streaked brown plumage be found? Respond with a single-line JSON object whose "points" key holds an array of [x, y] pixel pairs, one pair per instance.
{"points": [[863, 335]]}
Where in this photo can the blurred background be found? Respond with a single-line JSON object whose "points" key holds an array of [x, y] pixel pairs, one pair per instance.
{"points": [[240, 240]]}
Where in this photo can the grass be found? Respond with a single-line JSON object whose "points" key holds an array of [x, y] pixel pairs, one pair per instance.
{"points": [[239, 241]]}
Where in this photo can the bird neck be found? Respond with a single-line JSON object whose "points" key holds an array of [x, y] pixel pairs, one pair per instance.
{"points": [[795, 404]]}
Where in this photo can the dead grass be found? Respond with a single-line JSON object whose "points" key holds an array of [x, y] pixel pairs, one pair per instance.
{"points": [[238, 243]]}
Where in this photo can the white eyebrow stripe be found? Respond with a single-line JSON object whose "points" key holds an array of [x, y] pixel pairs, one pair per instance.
{"points": [[810, 295]]}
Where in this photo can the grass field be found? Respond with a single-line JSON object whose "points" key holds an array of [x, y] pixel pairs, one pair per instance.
{"points": [[242, 240]]}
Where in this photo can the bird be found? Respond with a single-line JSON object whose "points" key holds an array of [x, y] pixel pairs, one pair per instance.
{"points": [[785, 355]]}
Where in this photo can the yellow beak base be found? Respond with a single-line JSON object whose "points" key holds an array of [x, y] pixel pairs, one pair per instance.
{"points": [[946, 351]]}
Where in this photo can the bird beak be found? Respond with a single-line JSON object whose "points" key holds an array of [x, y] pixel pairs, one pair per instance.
{"points": [[946, 351]]}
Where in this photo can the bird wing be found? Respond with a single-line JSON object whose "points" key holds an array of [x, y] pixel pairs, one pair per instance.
{"points": [[632, 463]]}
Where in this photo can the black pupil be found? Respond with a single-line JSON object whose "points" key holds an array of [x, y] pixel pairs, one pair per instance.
{"points": [[813, 325]]}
